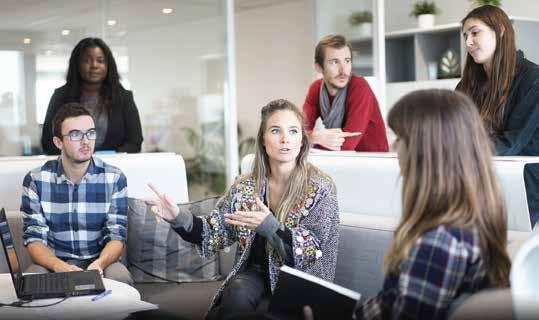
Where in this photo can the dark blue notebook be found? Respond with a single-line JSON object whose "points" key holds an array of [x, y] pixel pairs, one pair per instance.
{"points": [[295, 289]]}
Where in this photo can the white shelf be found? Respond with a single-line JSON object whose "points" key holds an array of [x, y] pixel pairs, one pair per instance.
{"points": [[443, 28], [515, 18], [438, 83], [413, 31]]}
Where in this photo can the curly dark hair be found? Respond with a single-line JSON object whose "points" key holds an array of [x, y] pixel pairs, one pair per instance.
{"points": [[110, 88]]}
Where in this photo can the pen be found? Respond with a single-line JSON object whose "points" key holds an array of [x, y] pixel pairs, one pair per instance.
{"points": [[102, 295]]}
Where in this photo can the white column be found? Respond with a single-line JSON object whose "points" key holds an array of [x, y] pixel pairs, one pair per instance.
{"points": [[379, 42], [230, 112]]}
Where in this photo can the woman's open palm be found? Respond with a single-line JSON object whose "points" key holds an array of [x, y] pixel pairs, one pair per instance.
{"points": [[163, 206]]}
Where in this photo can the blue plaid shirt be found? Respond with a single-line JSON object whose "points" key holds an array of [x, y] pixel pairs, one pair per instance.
{"points": [[443, 264], [74, 220]]}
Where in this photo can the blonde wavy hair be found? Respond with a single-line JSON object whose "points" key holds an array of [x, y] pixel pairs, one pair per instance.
{"points": [[448, 177], [298, 181]]}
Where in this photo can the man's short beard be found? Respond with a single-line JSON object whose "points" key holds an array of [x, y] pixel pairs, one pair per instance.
{"points": [[338, 88], [77, 161]]}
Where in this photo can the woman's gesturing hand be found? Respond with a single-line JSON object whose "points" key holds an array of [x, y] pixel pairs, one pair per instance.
{"points": [[163, 206], [249, 219]]}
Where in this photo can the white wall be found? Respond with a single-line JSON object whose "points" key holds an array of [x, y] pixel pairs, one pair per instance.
{"points": [[397, 15], [332, 16], [274, 55]]}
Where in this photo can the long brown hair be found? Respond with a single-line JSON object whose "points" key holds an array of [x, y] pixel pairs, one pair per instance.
{"points": [[297, 183], [490, 93], [448, 178]]}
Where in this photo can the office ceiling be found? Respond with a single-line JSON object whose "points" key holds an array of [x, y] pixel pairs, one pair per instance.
{"points": [[44, 20], [32, 15]]}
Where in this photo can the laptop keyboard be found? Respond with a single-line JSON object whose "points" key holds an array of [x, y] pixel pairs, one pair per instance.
{"points": [[50, 282]]}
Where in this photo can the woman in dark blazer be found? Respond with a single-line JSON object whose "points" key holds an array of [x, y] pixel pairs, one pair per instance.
{"points": [[505, 87], [93, 79]]}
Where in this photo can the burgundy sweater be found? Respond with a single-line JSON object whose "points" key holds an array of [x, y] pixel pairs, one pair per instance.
{"points": [[362, 114]]}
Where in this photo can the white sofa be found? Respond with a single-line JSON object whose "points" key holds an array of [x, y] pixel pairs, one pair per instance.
{"points": [[369, 194], [166, 170], [368, 188]]}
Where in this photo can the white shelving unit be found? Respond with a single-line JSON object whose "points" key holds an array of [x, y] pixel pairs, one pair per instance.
{"points": [[409, 51], [362, 53]]}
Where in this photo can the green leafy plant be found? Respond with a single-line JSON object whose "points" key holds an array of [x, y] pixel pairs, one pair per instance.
{"points": [[424, 7], [208, 166], [360, 17], [479, 3]]}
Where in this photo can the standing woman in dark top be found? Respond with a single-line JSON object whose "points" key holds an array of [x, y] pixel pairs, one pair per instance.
{"points": [[505, 87], [93, 80]]}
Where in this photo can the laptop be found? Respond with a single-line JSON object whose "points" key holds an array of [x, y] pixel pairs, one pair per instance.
{"points": [[46, 285]]}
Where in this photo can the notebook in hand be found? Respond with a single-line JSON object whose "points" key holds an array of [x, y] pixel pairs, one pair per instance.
{"points": [[46, 285], [296, 289]]}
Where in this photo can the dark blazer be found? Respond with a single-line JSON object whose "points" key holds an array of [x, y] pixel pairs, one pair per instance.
{"points": [[124, 132], [520, 134]]}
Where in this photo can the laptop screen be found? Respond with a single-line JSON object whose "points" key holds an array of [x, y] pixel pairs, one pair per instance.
{"points": [[9, 249]]}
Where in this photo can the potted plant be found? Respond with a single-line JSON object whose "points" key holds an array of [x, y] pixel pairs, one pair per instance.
{"points": [[480, 3], [424, 11], [361, 22]]}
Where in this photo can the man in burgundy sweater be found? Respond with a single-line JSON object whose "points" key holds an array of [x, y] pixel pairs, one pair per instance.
{"points": [[344, 102]]}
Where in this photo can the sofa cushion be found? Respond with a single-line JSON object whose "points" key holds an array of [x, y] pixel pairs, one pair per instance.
{"points": [[489, 304], [156, 253], [360, 259]]}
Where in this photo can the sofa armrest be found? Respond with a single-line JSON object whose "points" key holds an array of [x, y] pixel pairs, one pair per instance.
{"points": [[486, 304]]}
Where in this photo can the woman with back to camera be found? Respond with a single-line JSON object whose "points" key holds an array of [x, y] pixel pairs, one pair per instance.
{"points": [[505, 87], [451, 240], [93, 80], [283, 213]]}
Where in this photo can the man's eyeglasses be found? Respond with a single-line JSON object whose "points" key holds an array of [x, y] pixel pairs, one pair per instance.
{"points": [[77, 135]]}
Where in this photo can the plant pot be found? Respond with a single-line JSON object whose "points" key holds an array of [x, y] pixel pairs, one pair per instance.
{"points": [[362, 30], [425, 21]]}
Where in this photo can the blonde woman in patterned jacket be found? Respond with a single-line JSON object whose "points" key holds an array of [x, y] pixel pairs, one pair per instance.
{"points": [[284, 213]]}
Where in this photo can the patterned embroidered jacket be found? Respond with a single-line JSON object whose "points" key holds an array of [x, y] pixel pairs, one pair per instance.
{"points": [[313, 222]]}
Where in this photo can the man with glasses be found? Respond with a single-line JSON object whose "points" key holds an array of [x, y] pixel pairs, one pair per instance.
{"points": [[74, 208]]}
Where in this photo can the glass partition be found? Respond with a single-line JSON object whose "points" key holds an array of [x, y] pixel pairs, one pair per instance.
{"points": [[171, 54]]}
